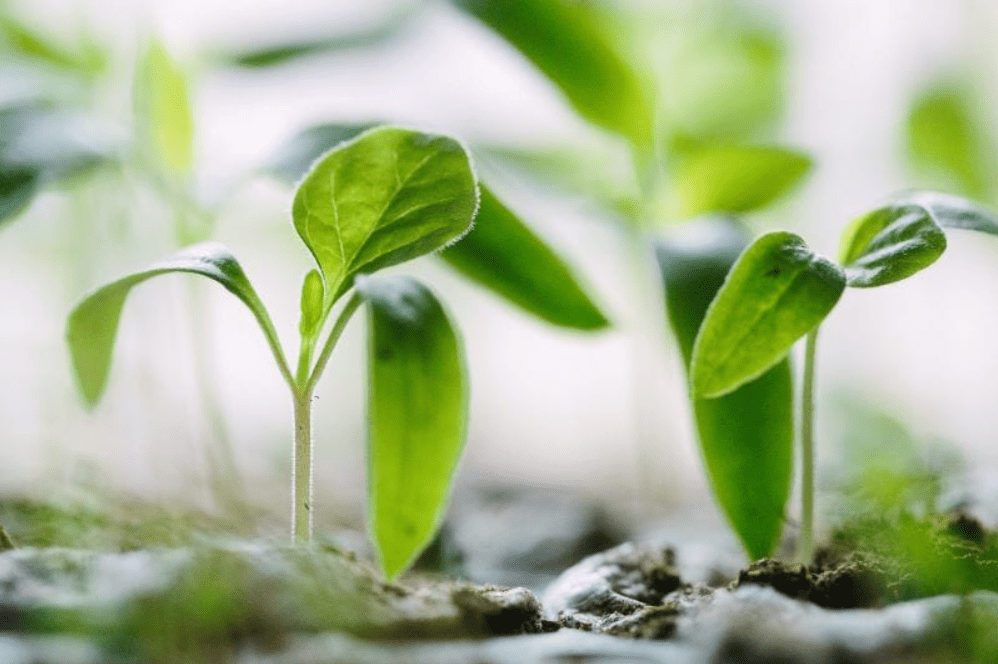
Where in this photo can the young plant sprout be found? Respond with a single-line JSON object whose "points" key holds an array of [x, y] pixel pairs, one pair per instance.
{"points": [[383, 198], [779, 290]]}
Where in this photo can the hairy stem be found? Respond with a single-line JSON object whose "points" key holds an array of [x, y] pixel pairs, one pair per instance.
{"points": [[301, 481], [805, 545]]}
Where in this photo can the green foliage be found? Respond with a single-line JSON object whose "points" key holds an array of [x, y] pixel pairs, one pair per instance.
{"points": [[417, 407], [385, 198], [945, 138], [736, 178], [746, 437], [312, 299], [503, 254], [777, 292], [93, 323], [163, 104], [568, 41], [297, 156]]}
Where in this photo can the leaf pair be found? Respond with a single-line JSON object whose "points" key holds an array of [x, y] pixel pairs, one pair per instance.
{"points": [[386, 197], [777, 291]]}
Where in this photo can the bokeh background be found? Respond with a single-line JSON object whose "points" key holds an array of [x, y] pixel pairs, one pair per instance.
{"points": [[603, 412]]}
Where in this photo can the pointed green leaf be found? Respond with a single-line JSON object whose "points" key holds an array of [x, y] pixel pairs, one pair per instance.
{"points": [[736, 178], [502, 254], [163, 102], [386, 197], [312, 298], [417, 407], [569, 42], [956, 212], [946, 138], [25, 41], [777, 291], [297, 156], [891, 243], [93, 323], [746, 436]]}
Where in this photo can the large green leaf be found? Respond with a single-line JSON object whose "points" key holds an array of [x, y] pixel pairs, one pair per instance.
{"points": [[777, 291], [93, 323], [946, 138], [892, 243], [736, 178], [746, 436], [386, 197], [40, 145], [568, 41], [418, 401], [502, 254], [163, 102], [297, 156]]}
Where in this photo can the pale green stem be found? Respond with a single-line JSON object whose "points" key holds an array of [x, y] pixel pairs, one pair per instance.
{"points": [[805, 545], [302, 388]]}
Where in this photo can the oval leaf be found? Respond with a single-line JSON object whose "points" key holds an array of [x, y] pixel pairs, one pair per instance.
{"points": [[777, 291], [505, 256], [417, 407], [386, 197], [891, 243], [93, 323], [736, 178], [746, 437], [569, 43], [945, 137], [163, 103]]}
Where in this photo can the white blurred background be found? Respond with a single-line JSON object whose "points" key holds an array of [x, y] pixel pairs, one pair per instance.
{"points": [[595, 411]]}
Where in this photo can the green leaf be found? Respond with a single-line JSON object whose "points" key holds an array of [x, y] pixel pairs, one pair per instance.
{"points": [[386, 197], [956, 212], [945, 137], [777, 291], [297, 156], [312, 298], [417, 408], [568, 41], [746, 436], [18, 187], [163, 103], [736, 178], [892, 243], [24, 41], [93, 323], [505, 256]]}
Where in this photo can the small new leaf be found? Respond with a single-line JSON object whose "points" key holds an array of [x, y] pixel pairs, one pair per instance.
{"points": [[312, 297], [384, 198], [736, 178], [417, 405], [93, 323], [502, 254], [892, 243], [777, 291]]}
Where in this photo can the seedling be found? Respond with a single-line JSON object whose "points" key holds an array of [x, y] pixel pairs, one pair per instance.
{"points": [[385, 197], [779, 290]]}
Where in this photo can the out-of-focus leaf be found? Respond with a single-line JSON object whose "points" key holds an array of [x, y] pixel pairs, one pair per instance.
{"points": [[945, 138], [29, 44], [891, 243], [723, 84], [746, 436], [39, 145], [505, 256], [417, 408], [163, 104], [93, 323], [275, 55], [297, 156], [736, 178], [386, 197], [777, 291], [568, 41]]}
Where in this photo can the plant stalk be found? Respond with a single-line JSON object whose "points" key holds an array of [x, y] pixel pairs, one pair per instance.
{"points": [[805, 545], [301, 481]]}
